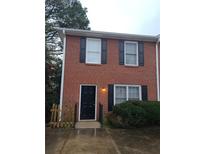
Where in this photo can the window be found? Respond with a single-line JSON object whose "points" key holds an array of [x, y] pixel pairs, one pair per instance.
{"points": [[126, 92], [131, 53], [120, 94], [133, 93], [93, 51]]}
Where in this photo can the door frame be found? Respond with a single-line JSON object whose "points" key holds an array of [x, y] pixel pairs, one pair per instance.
{"points": [[80, 102]]}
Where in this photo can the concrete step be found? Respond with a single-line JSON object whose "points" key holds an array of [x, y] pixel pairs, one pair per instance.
{"points": [[87, 124]]}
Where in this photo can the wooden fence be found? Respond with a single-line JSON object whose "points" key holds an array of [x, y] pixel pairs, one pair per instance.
{"points": [[67, 117]]}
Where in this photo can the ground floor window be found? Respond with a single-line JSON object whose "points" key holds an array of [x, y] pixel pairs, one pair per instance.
{"points": [[126, 92]]}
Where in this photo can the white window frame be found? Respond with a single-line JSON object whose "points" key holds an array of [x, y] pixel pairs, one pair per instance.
{"points": [[90, 39], [137, 61], [127, 85]]}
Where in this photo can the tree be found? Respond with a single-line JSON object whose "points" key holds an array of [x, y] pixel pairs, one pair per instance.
{"points": [[58, 13]]}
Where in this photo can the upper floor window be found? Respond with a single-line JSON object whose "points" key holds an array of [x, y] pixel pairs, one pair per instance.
{"points": [[93, 51], [131, 53]]}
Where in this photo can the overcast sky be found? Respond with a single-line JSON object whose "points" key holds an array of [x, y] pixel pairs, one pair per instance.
{"points": [[124, 16]]}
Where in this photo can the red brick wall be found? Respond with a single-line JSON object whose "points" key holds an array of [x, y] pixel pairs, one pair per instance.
{"points": [[77, 73]]}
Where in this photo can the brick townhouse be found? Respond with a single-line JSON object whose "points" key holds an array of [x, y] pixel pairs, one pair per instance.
{"points": [[107, 68]]}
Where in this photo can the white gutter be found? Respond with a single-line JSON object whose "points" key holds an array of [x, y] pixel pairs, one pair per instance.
{"points": [[62, 74], [157, 70], [111, 35]]}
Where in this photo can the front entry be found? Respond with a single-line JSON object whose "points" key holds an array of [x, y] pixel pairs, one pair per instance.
{"points": [[87, 102]]}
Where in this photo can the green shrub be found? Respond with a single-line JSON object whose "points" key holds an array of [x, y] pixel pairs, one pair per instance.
{"points": [[152, 112], [114, 121], [135, 114], [128, 115], [106, 120]]}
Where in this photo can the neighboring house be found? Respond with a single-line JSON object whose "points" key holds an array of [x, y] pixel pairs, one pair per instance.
{"points": [[107, 68]]}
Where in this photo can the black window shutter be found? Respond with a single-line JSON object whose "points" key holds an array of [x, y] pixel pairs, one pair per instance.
{"points": [[104, 51], [144, 93], [110, 96], [141, 53], [82, 49], [121, 52]]}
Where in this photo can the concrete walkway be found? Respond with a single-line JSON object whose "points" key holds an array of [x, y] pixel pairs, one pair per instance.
{"points": [[102, 141], [87, 124]]}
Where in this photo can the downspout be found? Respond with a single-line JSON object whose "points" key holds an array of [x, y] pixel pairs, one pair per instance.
{"points": [[62, 74], [157, 70]]}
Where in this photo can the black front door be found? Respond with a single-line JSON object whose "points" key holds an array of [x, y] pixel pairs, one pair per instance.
{"points": [[87, 106]]}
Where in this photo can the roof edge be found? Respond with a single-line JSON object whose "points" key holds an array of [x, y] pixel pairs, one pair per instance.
{"points": [[111, 35]]}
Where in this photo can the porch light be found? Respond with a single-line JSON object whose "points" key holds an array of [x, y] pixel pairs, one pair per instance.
{"points": [[103, 89]]}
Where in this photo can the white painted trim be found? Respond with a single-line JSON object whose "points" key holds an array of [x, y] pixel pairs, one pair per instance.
{"points": [[137, 52], [95, 102], [128, 85], [127, 94], [62, 74], [79, 104], [157, 71], [111, 35], [99, 40]]}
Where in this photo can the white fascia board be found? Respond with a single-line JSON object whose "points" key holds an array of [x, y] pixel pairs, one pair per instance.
{"points": [[111, 35]]}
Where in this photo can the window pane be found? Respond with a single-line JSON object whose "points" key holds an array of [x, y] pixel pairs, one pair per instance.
{"points": [[131, 59], [93, 58], [131, 48], [93, 53], [93, 45], [133, 93], [120, 92]]}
